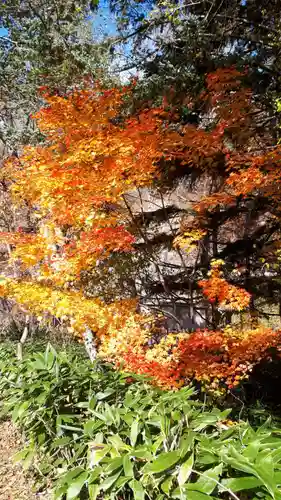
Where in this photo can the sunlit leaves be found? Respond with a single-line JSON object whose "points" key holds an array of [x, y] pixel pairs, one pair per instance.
{"points": [[94, 154], [220, 292]]}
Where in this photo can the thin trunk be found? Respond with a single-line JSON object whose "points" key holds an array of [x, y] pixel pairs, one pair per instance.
{"points": [[23, 339], [215, 312], [90, 345]]}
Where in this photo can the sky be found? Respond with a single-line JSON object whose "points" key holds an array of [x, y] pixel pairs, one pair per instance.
{"points": [[104, 22], [3, 32]]}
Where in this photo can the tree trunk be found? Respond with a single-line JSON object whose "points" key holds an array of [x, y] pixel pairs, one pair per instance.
{"points": [[23, 339], [90, 344]]}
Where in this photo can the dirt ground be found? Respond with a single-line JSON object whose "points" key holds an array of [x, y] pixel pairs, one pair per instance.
{"points": [[15, 483]]}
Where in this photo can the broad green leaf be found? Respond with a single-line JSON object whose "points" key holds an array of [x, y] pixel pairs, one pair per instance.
{"points": [[113, 464], [167, 484], [197, 495], [241, 483], [82, 404], [103, 395], [28, 459], [99, 438], [206, 458], [208, 481], [128, 466], [92, 403], [38, 364], [109, 481], [251, 451], [59, 492], [95, 474], [19, 410], [143, 453], [157, 444], [117, 443], [134, 432], [60, 442], [70, 475], [224, 414], [138, 490], [163, 462], [265, 474], [239, 462], [109, 414], [165, 424], [272, 443], [101, 416], [185, 494], [120, 482], [49, 358], [97, 453], [264, 427], [117, 416], [277, 477], [265, 462], [186, 443], [129, 418], [94, 490], [20, 455], [76, 486], [204, 421], [71, 428], [185, 470], [91, 426], [129, 400]]}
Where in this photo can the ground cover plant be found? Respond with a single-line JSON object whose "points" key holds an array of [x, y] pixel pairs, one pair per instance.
{"points": [[99, 433]]}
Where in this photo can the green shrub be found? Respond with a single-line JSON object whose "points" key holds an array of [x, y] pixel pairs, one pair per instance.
{"points": [[103, 434]]}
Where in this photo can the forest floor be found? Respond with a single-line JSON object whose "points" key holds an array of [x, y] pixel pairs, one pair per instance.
{"points": [[15, 483]]}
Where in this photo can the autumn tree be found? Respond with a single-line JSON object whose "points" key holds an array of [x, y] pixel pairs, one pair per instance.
{"points": [[201, 126], [43, 43], [78, 185], [176, 44]]}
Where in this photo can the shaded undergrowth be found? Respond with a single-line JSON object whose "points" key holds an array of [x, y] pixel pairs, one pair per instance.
{"points": [[99, 433]]}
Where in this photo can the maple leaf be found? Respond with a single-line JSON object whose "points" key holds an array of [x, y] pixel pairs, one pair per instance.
{"points": [[92, 156], [218, 290]]}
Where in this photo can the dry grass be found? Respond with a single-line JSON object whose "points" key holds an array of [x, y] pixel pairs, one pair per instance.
{"points": [[15, 483]]}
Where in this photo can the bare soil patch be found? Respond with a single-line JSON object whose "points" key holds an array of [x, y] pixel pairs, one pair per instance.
{"points": [[15, 483]]}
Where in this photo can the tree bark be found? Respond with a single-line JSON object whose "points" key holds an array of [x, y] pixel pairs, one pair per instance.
{"points": [[90, 344], [23, 339]]}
